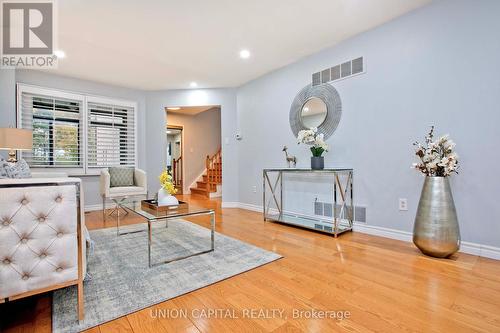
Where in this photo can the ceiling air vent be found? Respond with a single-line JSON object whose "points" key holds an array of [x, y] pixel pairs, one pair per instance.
{"points": [[342, 71], [335, 72], [357, 66], [345, 69], [325, 75], [316, 79]]}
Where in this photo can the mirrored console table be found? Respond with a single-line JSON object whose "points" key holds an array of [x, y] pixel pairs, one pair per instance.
{"points": [[334, 217]]}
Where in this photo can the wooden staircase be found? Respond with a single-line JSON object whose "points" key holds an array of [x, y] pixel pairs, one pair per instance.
{"points": [[211, 178]]}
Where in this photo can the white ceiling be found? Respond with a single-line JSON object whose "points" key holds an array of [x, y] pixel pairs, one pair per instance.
{"points": [[166, 44]]}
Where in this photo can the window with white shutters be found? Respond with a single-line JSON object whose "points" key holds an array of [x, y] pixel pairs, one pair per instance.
{"points": [[111, 135], [75, 131], [57, 124]]}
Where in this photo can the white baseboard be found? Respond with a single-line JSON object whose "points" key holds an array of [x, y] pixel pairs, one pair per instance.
{"points": [[383, 232], [480, 250], [492, 252], [229, 204], [251, 207], [471, 248], [92, 208]]}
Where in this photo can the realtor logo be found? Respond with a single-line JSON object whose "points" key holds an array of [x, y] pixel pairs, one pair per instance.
{"points": [[28, 34]]}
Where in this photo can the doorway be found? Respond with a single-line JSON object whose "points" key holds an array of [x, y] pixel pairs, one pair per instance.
{"points": [[196, 132], [174, 156]]}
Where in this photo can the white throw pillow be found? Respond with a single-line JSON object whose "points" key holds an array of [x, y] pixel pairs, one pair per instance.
{"points": [[21, 169]]}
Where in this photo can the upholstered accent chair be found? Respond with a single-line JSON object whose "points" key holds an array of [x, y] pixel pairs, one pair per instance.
{"points": [[138, 189], [42, 247]]}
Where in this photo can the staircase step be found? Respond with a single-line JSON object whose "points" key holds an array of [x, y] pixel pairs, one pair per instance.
{"points": [[202, 184], [200, 191]]}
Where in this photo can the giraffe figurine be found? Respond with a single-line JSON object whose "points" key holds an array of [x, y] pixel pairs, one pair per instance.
{"points": [[289, 159]]}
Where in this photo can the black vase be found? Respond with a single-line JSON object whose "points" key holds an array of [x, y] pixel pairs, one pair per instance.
{"points": [[317, 162]]}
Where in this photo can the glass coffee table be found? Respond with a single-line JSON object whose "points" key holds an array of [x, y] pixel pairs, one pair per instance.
{"points": [[152, 217]]}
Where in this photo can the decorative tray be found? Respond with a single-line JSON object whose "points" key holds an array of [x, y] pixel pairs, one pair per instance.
{"points": [[152, 205]]}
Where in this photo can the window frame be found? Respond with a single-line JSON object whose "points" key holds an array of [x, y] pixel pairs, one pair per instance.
{"points": [[84, 99], [114, 102]]}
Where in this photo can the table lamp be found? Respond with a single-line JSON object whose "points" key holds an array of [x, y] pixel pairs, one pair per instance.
{"points": [[13, 139]]}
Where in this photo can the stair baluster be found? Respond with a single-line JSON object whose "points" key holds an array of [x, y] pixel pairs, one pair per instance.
{"points": [[177, 171]]}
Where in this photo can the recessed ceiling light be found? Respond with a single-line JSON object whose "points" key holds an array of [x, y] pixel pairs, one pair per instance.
{"points": [[174, 108], [244, 54], [169, 132], [60, 54], [193, 84]]}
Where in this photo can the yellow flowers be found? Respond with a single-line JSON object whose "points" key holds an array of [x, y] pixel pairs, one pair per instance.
{"points": [[166, 182]]}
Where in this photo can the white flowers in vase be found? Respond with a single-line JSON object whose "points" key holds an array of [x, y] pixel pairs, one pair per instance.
{"points": [[312, 137], [437, 158]]}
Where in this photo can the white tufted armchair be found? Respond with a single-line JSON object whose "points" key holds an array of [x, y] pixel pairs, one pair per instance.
{"points": [[41, 242]]}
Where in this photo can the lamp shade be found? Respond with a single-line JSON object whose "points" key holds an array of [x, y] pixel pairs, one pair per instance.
{"points": [[16, 139]]}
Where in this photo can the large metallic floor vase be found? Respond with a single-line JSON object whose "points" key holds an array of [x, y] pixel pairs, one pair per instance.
{"points": [[436, 232]]}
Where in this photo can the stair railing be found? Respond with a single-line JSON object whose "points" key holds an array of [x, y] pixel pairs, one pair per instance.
{"points": [[213, 165], [177, 171]]}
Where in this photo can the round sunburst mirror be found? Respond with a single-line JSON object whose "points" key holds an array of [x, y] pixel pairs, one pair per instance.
{"points": [[316, 106]]}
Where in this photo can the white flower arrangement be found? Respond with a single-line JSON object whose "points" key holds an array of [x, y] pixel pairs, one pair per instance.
{"points": [[312, 137], [437, 158]]}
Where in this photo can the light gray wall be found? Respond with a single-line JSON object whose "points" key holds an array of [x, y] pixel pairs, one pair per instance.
{"points": [[438, 65], [91, 183], [156, 123], [202, 137], [7, 100]]}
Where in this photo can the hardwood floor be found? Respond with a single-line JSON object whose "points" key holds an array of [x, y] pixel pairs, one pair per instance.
{"points": [[385, 285]]}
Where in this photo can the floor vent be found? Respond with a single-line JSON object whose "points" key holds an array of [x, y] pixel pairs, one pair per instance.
{"points": [[338, 72], [326, 209], [318, 208]]}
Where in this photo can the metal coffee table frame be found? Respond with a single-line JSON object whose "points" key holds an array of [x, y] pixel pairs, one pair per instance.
{"points": [[136, 208]]}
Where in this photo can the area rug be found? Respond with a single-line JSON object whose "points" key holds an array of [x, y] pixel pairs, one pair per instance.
{"points": [[121, 281]]}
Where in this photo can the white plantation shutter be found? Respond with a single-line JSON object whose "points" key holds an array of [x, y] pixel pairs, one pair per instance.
{"points": [[111, 135], [56, 120], [74, 131]]}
